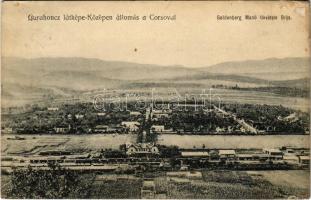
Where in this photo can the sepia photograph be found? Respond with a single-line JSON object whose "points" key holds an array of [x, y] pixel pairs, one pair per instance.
{"points": [[155, 100]]}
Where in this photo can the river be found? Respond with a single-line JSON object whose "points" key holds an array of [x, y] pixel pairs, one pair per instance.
{"points": [[235, 142]]}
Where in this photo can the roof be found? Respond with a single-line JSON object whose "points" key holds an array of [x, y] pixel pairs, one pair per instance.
{"points": [[194, 153], [304, 157], [164, 111], [273, 150], [226, 152], [141, 145]]}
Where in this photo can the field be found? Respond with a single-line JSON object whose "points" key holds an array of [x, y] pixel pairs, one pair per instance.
{"points": [[294, 178], [76, 143], [223, 95], [201, 185], [235, 142], [212, 185], [239, 184], [253, 97], [116, 189]]}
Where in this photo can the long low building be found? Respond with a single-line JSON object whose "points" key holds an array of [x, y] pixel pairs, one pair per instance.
{"points": [[227, 153], [200, 154]]}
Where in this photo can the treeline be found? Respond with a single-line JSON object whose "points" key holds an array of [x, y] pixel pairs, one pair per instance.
{"points": [[282, 91]]}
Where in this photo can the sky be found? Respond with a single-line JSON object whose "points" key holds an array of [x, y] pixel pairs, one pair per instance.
{"points": [[195, 39]]}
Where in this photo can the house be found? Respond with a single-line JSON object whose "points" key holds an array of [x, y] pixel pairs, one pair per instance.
{"points": [[291, 118], [226, 154], [52, 109], [161, 113], [195, 154], [274, 154], [114, 128], [141, 149], [101, 129], [131, 125], [101, 114], [61, 129], [79, 116], [158, 128]]}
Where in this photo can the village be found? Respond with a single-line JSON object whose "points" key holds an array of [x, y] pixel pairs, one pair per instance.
{"points": [[171, 118], [145, 160]]}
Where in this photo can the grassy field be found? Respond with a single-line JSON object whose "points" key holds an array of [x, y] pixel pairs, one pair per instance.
{"points": [[254, 97], [241, 184], [76, 143], [294, 178], [116, 189]]}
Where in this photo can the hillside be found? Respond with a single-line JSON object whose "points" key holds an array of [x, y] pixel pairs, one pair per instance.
{"points": [[63, 77], [107, 69], [271, 69]]}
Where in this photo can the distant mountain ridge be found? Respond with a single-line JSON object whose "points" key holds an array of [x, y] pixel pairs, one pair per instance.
{"points": [[272, 68], [124, 69], [108, 69], [56, 76]]}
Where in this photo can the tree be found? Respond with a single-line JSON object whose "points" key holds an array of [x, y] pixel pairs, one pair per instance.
{"points": [[55, 183]]}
